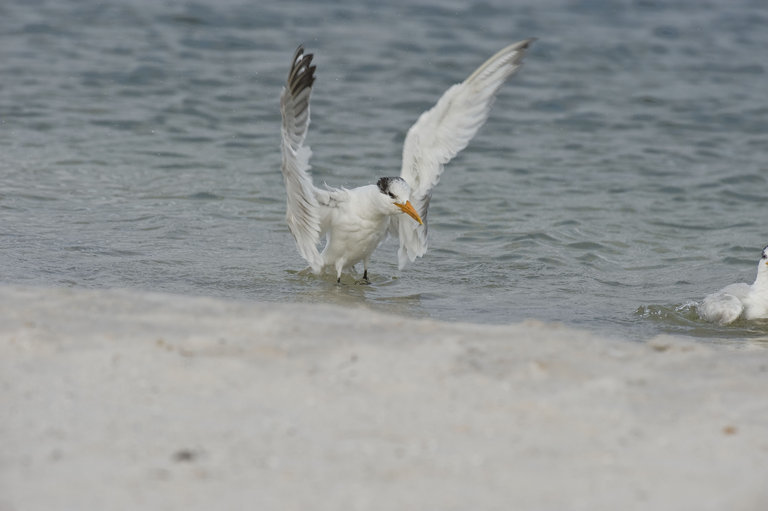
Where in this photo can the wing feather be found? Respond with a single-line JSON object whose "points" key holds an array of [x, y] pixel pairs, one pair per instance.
{"points": [[442, 132], [303, 212]]}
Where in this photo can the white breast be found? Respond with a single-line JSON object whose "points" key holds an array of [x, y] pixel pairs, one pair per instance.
{"points": [[355, 229]]}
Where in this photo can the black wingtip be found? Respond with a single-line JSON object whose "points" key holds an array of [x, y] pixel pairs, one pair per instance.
{"points": [[302, 74], [527, 42]]}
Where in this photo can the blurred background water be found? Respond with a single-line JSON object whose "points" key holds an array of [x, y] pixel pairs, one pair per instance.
{"points": [[622, 175]]}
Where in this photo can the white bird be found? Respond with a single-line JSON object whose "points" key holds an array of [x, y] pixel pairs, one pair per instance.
{"points": [[739, 300], [355, 221]]}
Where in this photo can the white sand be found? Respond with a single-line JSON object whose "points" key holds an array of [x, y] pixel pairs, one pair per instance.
{"points": [[117, 400]]}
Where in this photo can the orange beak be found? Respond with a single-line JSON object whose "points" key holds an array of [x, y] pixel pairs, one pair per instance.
{"points": [[409, 210]]}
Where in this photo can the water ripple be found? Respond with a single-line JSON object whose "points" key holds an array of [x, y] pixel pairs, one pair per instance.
{"points": [[621, 167]]}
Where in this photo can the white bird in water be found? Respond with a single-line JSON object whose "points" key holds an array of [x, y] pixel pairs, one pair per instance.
{"points": [[739, 300], [355, 221]]}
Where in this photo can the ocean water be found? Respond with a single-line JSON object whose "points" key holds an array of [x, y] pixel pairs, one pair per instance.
{"points": [[623, 173]]}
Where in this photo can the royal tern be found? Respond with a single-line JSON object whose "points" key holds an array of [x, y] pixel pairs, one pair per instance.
{"points": [[739, 300], [355, 221]]}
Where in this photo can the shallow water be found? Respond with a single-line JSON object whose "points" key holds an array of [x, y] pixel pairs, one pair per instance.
{"points": [[622, 175]]}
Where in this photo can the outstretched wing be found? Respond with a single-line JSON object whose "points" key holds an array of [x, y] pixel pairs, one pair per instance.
{"points": [[303, 212], [442, 132]]}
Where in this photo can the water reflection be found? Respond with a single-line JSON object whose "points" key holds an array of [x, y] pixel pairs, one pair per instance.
{"points": [[379, 294]]}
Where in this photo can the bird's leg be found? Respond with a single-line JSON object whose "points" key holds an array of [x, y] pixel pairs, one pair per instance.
{"points": [[365, 273], [365, 280], [339, 268]]}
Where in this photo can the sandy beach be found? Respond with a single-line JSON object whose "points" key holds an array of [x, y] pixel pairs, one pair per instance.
{"points": [[123, 400]]}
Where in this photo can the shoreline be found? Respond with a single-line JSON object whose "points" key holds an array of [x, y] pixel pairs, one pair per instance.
{"points": [[124, 399]]}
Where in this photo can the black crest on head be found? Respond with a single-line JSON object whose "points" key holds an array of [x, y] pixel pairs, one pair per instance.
{"points": [[764, 250], [383, 184]]}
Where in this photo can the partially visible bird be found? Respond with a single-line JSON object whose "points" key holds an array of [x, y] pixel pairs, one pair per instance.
{"points": [[739, 300], [355, 221]]}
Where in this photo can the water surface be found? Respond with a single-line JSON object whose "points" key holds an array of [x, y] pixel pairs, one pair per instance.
{"points": [[622, 175]]}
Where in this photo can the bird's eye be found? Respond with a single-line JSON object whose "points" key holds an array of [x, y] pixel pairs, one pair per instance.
{"points": [[392, 195]]}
